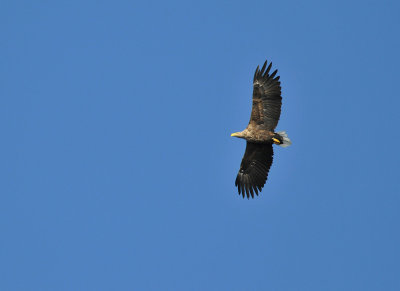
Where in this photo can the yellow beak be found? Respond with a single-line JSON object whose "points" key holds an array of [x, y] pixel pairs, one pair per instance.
{"points": [[235, 134]]}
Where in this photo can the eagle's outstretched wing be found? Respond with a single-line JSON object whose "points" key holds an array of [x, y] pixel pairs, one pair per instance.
{"points": [[254, 168], [267, 100]]}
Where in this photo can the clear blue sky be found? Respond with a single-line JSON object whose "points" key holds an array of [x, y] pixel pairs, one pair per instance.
{"points": [[117, 165]]}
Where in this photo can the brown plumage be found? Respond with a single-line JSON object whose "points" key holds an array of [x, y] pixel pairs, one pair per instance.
{"points": [[260, 132]]}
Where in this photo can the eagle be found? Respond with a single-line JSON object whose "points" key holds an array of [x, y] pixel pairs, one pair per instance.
{"points": [[260, 133]]}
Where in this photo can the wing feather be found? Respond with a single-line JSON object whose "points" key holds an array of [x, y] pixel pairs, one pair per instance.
{"points": [[267, 100], [253, 172]]}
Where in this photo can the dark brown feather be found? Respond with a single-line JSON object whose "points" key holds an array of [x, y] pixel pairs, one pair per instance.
{"points": [[254, 168], [267, 100]]}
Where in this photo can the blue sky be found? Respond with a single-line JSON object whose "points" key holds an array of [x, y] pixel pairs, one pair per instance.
{"points": [[118, 167]]}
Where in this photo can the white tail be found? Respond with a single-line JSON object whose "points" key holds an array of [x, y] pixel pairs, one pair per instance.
{"points": [[286, 140]]}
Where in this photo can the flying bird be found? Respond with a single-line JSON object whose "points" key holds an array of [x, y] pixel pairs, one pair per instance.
{"points": [[260, 132]]}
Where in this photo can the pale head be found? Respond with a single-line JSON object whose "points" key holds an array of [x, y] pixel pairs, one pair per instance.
{"points": [[240, 134]]}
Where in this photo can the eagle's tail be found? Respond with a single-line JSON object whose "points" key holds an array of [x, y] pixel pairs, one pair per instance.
{"points": [[285, 139]]}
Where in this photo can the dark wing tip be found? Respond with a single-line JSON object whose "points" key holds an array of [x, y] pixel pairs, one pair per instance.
{"points": [[268, 69], [263, 68], [256, 73], [251, 183], [273, 74], [264, 74]]}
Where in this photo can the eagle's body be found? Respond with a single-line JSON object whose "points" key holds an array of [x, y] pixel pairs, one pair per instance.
{"points": [[260, 133], [255, 135]]}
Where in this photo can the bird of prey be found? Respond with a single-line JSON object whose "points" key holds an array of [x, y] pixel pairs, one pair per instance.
{"points": [[260, 132]]}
